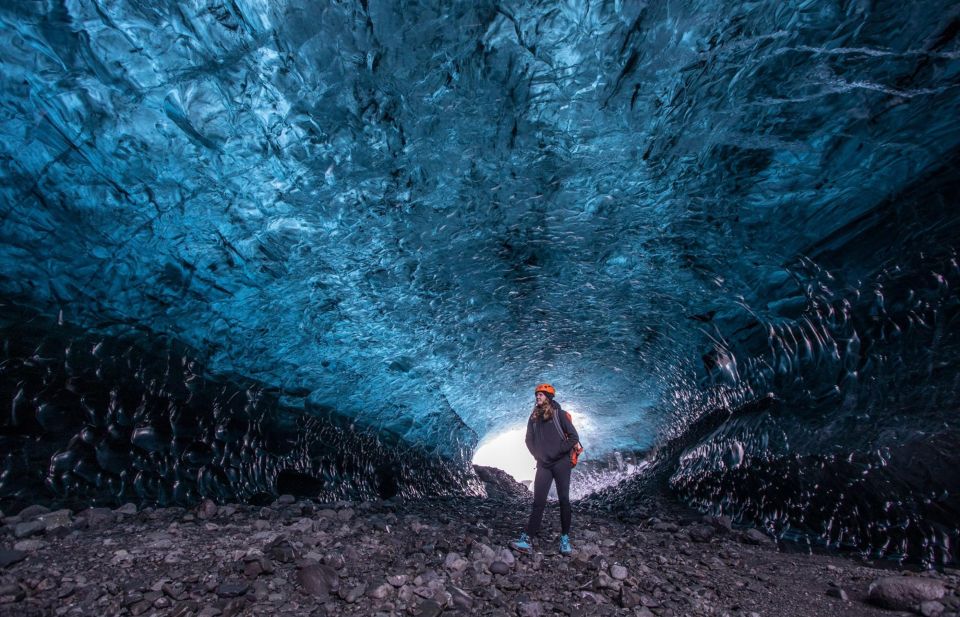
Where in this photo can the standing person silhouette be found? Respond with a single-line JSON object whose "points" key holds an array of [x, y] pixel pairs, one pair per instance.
{"points": [[550, 438]]}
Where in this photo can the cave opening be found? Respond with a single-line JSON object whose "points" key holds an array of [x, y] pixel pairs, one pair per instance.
{"points": [[505, 450]]}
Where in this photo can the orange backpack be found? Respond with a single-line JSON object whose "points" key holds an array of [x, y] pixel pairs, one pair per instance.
{"points": [[577, 449]]}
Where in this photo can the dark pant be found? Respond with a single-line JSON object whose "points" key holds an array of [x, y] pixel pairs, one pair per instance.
{"points": [[559, 472]]}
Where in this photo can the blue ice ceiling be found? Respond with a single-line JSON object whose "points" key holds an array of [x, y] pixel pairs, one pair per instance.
{"points": [[412, 212]]}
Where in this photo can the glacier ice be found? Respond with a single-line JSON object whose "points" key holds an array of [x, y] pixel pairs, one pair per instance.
{"points": [[410, 212]]}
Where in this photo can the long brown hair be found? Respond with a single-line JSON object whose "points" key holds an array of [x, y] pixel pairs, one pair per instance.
{"points": [[544, 411]]}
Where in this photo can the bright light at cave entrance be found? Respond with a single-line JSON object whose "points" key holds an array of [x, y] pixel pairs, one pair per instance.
{"points": [[507, 451]]}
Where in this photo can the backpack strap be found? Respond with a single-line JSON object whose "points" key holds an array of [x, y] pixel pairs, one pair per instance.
{"points": [[556, 421]]}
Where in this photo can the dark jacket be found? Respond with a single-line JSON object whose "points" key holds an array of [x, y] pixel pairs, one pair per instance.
{"points": [[546, 440]]}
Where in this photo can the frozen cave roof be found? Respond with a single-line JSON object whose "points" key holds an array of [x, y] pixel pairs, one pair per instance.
{"points": [[415, 211]]}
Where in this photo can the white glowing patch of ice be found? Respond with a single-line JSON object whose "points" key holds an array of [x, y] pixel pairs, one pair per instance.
{"points": [[508, 452]]}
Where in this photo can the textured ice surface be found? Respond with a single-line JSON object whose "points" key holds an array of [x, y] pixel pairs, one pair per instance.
{"points": [[107, 419], [410, 212]]}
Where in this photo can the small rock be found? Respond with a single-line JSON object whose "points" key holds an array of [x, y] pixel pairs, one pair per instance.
{"points": [[8, 557], [381, 591], [97, 517], [29, 546], [455, 562], [429, 608], [128, 509], [629, 598], [397, 580], [345, 515], [185, 609], [206, 510], [618, 572], [931, 608], [285, 500], [506, 556], [701, 533], [837, 592], [498, 567], [318, 580], [174, 590], [756, 537], [904, 592], [11, 592], [722, 523], [460, 598], [232, 589], [602, 581], [484, 553], [664, 526], [353, 594], [56, 519], [281, 550], [31, 512], [529, 609], [25, 530], [649, 602]]}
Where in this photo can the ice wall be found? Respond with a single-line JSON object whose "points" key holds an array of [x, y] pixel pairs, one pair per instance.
{"points": [[95, 419]]}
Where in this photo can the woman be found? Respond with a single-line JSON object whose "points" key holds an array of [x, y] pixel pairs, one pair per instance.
{"points": [[550, 438]]}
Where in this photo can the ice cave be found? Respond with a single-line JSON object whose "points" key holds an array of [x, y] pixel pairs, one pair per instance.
{"points": [[326, 248]]}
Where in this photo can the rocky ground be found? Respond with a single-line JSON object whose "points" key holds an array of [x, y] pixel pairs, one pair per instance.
{"points": [[428, 557]]}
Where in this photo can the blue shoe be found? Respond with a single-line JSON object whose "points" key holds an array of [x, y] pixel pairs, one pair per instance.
{"points": [[565, 547], [523, 544]]}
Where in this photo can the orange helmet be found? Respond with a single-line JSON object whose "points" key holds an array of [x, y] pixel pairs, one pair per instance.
{"points": [[546, 389]]}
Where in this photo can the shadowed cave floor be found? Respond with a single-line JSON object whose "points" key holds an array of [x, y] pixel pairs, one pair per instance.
{"points": [[425, 557]]}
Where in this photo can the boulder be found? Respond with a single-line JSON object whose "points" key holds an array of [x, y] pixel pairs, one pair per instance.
{"points": [[904, 592]]}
